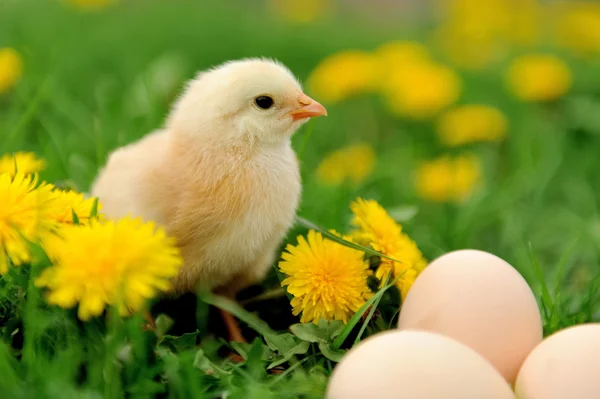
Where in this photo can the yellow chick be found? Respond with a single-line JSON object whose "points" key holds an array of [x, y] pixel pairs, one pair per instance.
{"points": [[221, 176]]}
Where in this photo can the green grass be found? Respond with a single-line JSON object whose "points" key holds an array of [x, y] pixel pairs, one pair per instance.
{"points": [[89, 86]]}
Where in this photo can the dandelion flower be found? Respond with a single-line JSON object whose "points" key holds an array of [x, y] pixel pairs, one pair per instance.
{"points": [[11, 68], [422, 89], [395, 54], [121, 263], [67, 203], [471, 123], [475, 33], [577, 27], [377, 229], [353, 163], [538, 77], [328, 280], [301, 11], [448, 179], [23, 213], [343, 75], [22, 162]]}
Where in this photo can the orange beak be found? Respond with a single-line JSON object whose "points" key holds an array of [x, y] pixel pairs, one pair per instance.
{"points": [[307, 108]]}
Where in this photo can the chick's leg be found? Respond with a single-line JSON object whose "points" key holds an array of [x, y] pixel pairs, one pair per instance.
{"points": [[240, 281], [233, 328]]}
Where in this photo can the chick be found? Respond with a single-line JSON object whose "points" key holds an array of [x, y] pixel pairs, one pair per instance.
{"points": [[221, 176]]}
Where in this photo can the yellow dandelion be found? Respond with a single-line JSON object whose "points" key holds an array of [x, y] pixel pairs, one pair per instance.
{"points": [[121, 263], [23, 214], [448, 179], [22, 162], [343, 75], [577, 25], [395, 54], [353, 163], [471, 123], [465, 49], [66, 203], [473, 33], [11, 68], [399, 52], [377, 229], [538, 77], [328, 280], [301, 11], [422, 89]]}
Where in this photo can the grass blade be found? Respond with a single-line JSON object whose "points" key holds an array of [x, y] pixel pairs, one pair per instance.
{"points": [[310, 225], [339, 340], [546, 297], [371, 313], [239, 312]]}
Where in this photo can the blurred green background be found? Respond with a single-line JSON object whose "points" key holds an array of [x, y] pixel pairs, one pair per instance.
{"points": [[94, 75]]}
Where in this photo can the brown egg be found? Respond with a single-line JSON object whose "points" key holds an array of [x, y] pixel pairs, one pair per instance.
{"points": [[565, 365], [415, 364], [480, 300]]}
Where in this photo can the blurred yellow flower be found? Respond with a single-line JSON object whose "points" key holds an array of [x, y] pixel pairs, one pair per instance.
{"points": [[122, 263], [91, 4], [67, 203], [22, 162], [538, 77], [328, 280], [11, 68], [466, 49], [353, 163], [447, 179], [23, 217], [471, 123], [421, 90], [475, 33], [375, 228], [301, 11], [395, 54], [343, 75], [577, 25]]}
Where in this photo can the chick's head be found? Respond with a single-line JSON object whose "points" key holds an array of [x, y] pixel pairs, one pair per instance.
{"points": [[251, 98]]}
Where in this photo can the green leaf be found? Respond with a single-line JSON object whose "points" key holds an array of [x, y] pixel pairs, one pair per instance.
{"points": [[325, 331], [94, 211], [290, 346], [254, 362], [332, 354], [179, 344], [242, 348], [242, 314], [202, 362], [75, 217], [281, 344], [163, 324]]}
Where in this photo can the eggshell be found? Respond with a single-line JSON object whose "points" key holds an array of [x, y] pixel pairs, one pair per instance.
{"points": [[565, 365], [415, 364], [480, 300]]}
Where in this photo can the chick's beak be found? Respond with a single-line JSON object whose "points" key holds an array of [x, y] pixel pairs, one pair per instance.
{"points": [[307, 108]]}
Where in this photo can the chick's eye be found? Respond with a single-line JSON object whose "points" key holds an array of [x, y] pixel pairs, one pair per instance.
{"points": [[263, 102]]}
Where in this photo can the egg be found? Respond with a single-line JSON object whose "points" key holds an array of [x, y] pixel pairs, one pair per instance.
{"points": [[415, 364], [564, 365], [480, 300]]}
